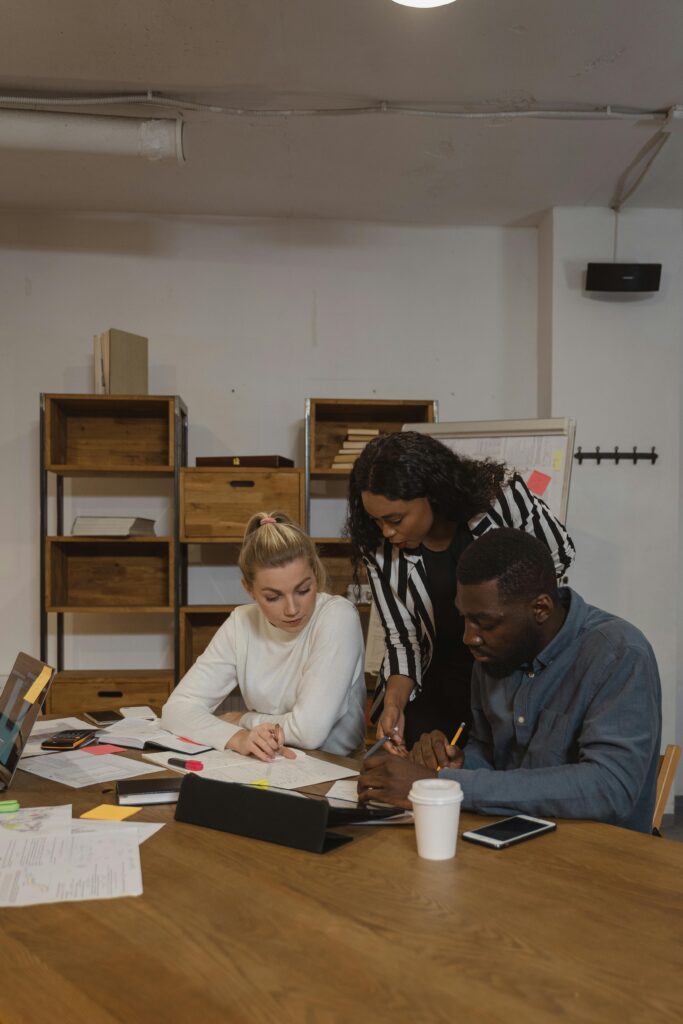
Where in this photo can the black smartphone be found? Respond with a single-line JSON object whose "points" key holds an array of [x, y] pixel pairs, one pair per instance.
{"points": [[69, 739], [102, 718], [508, 831]]}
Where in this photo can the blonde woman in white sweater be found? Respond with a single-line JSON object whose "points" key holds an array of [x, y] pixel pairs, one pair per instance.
{"points": [[296, 654]]}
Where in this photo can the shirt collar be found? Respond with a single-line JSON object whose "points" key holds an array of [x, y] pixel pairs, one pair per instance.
{"points": [[569, 631]]}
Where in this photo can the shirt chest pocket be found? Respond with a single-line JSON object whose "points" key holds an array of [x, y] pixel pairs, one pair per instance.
{"points": [[550, 743]]}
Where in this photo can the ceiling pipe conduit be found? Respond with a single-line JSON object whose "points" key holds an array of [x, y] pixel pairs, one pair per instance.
{"points": [[156, 139]]}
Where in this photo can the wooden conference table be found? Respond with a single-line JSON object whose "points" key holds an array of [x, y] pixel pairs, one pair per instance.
{"points": [[585, 924]]}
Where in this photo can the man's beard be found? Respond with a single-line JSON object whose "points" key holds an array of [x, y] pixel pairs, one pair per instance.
{"points": [[521, 655]]}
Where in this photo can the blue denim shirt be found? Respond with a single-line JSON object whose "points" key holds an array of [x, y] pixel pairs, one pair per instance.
{"points": [[574, 735]]}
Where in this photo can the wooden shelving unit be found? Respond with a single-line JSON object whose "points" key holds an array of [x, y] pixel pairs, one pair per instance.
{"points": [[328, 420], [108, 436]]}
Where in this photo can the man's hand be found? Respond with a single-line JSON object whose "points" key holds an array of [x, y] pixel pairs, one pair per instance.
{"points": [[433, 750], [388, 780]]}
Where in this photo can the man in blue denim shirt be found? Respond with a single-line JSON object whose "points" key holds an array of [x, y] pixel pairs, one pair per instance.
{"points": [[566, 700]]}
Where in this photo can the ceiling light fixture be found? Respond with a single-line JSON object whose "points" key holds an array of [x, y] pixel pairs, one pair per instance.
{"points": [[157, 139], [424, 3]]}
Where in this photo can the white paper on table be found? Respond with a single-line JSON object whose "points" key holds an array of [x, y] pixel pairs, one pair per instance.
{"points": [[343, 793], [141, 711], [65, 867], [36, 820], [222, 758], [42, 729], [77, 768], [142, 829], [282, 773]]}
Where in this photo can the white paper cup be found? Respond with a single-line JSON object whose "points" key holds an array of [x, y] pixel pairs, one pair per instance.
{"points": [[436, 807]]}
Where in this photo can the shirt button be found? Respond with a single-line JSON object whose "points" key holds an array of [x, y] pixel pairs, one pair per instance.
{"points": [[531, 675], [521, 719]]}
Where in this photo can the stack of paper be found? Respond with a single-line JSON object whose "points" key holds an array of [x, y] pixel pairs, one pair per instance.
{"points": [[46, 856]]}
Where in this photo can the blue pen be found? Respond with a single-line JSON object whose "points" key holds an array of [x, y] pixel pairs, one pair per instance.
{"points": [[375, 746]]}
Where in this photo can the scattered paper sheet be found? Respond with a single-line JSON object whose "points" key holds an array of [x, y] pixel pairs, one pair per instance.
{"points": [[141, 711], [142, 830], [110, 812], [58, 868], [343, 793], [42, 729], [282, 773], [36, 820], [77, 769]]}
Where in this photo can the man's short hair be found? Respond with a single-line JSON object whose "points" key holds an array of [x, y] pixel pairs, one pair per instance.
{"points": [[521, 565]]}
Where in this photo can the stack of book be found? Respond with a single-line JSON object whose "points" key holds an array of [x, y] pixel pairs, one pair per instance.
{"points": [[354, 443]]}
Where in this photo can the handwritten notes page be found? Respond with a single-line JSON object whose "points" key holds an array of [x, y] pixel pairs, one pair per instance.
{"points": [[282, 773]]}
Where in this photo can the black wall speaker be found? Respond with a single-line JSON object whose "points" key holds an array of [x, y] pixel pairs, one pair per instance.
{"points": [[623, 277]]}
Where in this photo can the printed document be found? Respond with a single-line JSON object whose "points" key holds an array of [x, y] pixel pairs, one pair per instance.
{"points": [[77, 769], [65, 867]]}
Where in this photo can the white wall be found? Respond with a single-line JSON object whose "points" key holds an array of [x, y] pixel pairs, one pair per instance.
{"points": [[615, 365], [245, 320]]}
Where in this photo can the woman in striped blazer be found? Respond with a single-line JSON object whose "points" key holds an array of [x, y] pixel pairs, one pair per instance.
{"points": [[414, 506]]}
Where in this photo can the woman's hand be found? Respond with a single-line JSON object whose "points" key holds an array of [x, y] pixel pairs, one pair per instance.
{"points": [[392, 721], [392, 724], [264, 742]]}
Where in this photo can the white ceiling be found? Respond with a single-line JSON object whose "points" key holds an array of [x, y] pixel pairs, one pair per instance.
{"points": [[476, 55]]}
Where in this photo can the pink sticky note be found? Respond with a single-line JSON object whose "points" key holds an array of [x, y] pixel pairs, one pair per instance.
{"points": [[538, 482], [103, 748]]}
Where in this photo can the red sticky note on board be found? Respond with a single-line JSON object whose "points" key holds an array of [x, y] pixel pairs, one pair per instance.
{"points": [[538, 482], [103, 748]]}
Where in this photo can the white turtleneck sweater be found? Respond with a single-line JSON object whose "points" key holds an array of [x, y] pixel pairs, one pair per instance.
{"points": [[311, 683]]}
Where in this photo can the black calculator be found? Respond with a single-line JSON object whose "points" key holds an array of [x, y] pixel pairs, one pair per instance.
{"points": [[69, 739]]}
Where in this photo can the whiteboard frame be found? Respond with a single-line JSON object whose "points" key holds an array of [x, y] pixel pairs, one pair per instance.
{"points": [[561, 427]]}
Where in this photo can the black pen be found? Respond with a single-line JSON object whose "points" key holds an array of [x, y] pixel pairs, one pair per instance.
{"points": [[375, 746]]}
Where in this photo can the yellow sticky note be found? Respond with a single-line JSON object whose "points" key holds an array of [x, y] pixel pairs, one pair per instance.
{"points": [[557, 460], [36, 687], [263, 783], [110, 812]]}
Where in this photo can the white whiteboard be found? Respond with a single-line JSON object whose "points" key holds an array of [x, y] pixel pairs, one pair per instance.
{"points": [[541, 451]]}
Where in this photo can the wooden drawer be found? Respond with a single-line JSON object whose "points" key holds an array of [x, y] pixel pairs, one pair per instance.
{"points": [[216, 504], [76, 691]]}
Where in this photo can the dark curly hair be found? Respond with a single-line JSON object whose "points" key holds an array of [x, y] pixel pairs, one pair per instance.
{"points": [[409, 465], [521, 565]]}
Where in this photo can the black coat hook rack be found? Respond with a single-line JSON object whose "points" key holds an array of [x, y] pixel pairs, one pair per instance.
{"points": [[616, 456]]}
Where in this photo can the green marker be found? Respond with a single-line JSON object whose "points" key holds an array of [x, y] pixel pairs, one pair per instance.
{"points": [[8, 805]]}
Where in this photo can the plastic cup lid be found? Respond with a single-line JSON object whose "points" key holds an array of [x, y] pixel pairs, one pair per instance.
{"points": [[435, 791]]}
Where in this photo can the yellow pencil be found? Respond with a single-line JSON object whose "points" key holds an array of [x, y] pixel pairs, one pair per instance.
{"points": [[458, 734]]}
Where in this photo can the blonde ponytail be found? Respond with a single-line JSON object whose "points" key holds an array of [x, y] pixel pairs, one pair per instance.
{"points": [[271, 540]]}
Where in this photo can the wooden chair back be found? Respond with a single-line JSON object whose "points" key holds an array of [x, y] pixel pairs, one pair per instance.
{"points": [[668, 763]]}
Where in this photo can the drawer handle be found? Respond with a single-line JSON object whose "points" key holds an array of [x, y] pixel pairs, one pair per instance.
{"points": [[110, 693], [242, 483]]}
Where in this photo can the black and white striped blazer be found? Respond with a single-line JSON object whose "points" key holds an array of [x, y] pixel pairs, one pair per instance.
{"points": [[398, 579]]}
